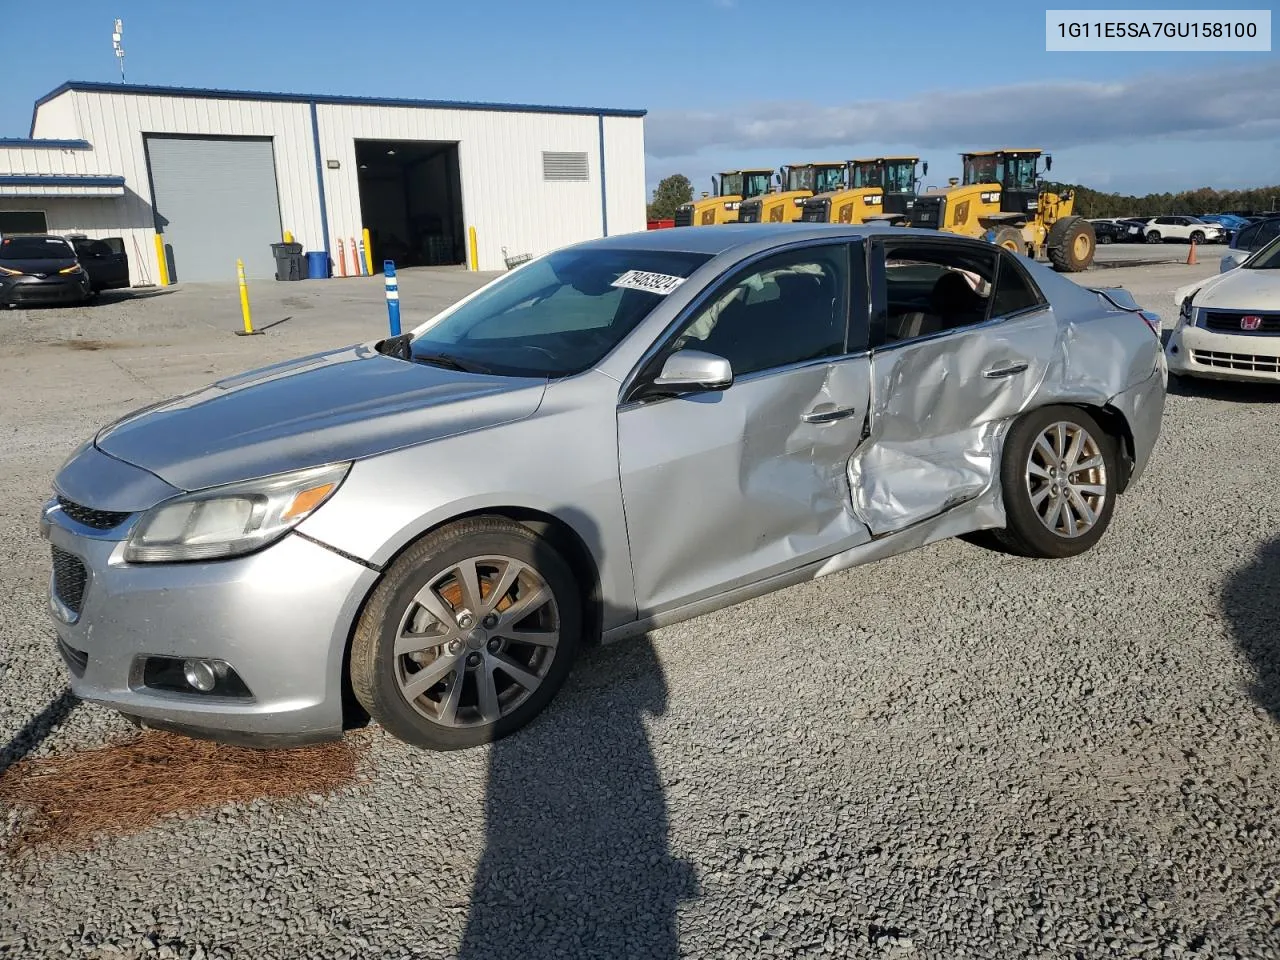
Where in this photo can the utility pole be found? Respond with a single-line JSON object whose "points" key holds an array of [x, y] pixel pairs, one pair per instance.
{"points": [[116, 37]]}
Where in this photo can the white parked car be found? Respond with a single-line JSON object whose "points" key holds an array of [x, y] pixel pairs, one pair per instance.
{"points": [[1160, 229], [1229, 325]]}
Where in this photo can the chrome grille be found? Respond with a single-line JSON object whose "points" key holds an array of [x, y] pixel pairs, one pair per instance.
{"points": [[1226, 321], [89, 517], [69, 579]]}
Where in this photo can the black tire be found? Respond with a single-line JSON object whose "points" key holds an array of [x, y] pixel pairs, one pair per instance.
{"points": [[1153, 236], [1071, 244], [1025, 532], [374, 665], [1011, 239], [1197, 237]]}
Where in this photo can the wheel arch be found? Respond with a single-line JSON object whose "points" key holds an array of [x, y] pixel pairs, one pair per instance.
{"points": [[555, 529], [1116, 424]]}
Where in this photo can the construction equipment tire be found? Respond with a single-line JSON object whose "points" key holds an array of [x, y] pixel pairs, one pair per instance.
{"points": [[1071, 244]]}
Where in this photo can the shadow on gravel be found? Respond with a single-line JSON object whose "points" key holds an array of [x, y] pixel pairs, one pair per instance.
{"points": [[73, 800], [1249, 601], [577, 861], [37, 728], [1228, 390]]}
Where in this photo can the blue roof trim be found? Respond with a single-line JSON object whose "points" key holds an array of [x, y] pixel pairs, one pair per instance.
{"points": [[60, 180], [25, 142], [85, 86]]}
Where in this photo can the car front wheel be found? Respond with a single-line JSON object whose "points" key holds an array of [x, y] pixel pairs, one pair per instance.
{"points": [[468, 636], [1059, 476]]}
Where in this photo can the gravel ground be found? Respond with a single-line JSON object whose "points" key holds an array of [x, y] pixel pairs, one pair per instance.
{"points": [[950, 754]]}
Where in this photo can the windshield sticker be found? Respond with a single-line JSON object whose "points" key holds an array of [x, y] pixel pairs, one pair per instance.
{"points": [[658, 283]]}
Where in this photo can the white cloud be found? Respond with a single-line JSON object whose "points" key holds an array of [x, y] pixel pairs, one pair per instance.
{"points": [[1241, 104]]}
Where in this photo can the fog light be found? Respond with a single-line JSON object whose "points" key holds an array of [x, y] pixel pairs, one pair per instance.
{"points": [[200, 674]]}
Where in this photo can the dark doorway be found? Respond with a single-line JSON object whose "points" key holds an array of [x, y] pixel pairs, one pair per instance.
{"points": [[411, 202]]}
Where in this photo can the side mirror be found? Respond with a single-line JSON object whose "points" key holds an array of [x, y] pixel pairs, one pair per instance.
{"points": [[715, 187], [924, 170], [693, 371], [1048, 161]]}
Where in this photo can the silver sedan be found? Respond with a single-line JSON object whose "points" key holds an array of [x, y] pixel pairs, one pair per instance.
{"points": [[427, 529]]}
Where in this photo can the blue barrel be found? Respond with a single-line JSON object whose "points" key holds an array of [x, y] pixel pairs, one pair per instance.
{"points": [[317, 265]]}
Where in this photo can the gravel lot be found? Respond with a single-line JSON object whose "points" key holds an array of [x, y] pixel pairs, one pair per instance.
{"points": [[950, 754]]}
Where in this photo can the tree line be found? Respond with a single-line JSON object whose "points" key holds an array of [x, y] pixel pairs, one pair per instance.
{"points": [[676, 189], [1095, 203]]}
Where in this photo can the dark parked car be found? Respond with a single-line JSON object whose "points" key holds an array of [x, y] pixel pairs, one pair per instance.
{"points": [[1249, 240], [1113, 231], [104, 260], [40, 268]]}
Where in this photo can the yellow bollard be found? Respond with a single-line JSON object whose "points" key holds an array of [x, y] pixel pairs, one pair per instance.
{"points": [[368, 253], [162, 260], [248, 330], [288, 236], [474, 248]]}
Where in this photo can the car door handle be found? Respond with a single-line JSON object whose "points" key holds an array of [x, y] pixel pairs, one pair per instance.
{"points": [[828, 413], [1008, 371]]}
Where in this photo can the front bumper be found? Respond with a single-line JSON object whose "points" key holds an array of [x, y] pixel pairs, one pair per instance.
{"points": [[33, 290], [1196, 352], [280, 617]]}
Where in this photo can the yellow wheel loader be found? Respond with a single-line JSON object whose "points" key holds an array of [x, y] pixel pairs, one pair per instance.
{"points": [[1003, 198], [728, 190], [796, 183], [876, 189]]}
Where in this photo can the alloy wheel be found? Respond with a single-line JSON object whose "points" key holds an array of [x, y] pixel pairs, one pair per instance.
{"points": [[476, 641], [1066, 477]]}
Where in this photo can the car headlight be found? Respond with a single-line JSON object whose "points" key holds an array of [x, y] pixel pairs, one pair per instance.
{"points": [[74, 268], [1184, 310], [6, 272], [232, 519]]}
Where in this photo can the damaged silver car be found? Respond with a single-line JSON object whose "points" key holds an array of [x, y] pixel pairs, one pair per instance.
{"points": [[426, 530]]}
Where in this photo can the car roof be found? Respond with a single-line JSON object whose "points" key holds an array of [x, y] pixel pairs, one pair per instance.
{"points": [[723, 238]]}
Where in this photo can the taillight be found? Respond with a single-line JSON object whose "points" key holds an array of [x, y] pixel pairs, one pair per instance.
{"points": [[1153, 321]]}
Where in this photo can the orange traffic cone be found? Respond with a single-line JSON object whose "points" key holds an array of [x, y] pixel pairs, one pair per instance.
{"points": [[1191, 257]]}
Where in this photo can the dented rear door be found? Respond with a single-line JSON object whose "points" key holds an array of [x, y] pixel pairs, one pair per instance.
{"points": [[940, 406]]}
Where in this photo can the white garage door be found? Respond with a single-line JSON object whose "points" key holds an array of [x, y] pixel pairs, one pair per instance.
{"points": [[216, 202]]}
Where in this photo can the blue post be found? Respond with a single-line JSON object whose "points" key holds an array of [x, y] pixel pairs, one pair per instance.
{"points": [[393, 296]]}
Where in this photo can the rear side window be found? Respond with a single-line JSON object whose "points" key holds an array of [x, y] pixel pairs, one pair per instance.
{"points": [[1014, 292]]}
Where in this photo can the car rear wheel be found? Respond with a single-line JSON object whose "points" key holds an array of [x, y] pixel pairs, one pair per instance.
{"points": [[1059, 477], [468, 636]]}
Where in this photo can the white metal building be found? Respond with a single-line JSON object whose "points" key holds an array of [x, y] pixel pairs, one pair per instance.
{"points": [[220, 175]]}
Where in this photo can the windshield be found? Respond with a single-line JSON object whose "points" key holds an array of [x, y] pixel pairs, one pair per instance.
{"points": [[800, 178], [558, 315], [867, 175], [828, 179], [981, 170], [1020, 173], [730, 184], [900, 176], [35, 248], [1268, 258], [757, 183]]}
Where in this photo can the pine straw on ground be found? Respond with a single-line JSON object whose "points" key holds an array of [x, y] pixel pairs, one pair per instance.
{"points": [[74, 800]]}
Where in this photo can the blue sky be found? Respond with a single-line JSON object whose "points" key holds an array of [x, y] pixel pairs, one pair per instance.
{"points": [[727, 82]]}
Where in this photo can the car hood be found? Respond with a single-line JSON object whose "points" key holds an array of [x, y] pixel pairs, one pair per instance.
{"points": [[333, 406], [50, 266], [1235, 290]]}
